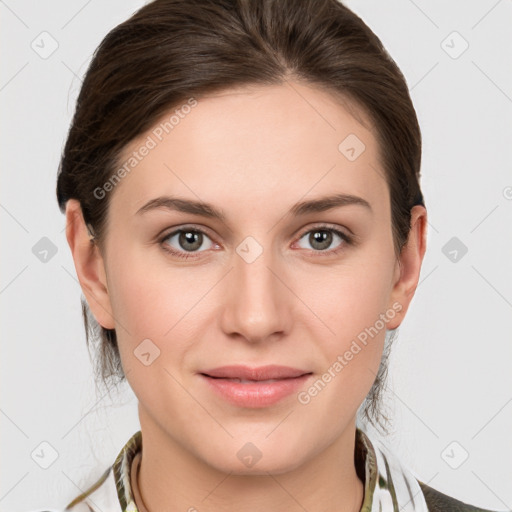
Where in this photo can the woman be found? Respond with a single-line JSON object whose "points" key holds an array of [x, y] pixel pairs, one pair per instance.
{"points": [[279, 141]]}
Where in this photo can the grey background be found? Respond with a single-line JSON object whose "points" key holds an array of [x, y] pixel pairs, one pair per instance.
{"points": [[450, 377]]}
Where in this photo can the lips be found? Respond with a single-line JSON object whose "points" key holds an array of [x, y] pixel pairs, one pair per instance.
{"points": [[262, 373], [255, 387]]}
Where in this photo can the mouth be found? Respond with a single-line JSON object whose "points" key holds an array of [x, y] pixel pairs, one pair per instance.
{"points": [[260, 373], [254, 387], [245, 381]]}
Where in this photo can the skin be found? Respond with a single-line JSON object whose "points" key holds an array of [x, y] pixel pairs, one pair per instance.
{"points": [[253, 153]]}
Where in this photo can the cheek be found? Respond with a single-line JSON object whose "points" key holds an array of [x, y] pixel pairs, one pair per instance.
{"points": [[149, 302], [352, 300], [351, 296], [152, 321], [353, 307]]}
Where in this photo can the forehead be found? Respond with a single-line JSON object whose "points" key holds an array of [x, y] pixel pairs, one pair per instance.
{"points": [[255, 142]]}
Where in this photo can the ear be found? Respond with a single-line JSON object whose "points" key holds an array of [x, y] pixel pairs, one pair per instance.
{"points": [[89, 265], [408, 266]]}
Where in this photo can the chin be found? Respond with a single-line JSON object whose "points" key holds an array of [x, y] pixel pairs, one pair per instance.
{"points": [[247, 459]]}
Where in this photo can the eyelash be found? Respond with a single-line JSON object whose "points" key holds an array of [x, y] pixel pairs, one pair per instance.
{"points": [[347, 240]]}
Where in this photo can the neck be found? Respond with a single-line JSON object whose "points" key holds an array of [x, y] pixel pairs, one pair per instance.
{"points": [[172, 478]]}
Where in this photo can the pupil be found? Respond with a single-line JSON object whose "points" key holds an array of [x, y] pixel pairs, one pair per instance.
{"points": [[323, 238], [189, 237]]}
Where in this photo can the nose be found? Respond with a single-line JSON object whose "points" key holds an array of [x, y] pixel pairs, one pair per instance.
{"points": [[257, 302]]}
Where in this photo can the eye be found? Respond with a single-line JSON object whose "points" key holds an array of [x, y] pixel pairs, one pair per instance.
{"points": [[183, 242], [322, 237]]}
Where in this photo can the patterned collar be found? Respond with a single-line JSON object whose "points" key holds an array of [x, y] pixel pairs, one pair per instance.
{"points": [[388, 485]]}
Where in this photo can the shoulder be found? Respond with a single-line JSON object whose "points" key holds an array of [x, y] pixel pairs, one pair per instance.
{"points": [[439, 502]]}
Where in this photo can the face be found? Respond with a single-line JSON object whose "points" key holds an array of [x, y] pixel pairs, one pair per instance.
{"points": [[277, 278]]}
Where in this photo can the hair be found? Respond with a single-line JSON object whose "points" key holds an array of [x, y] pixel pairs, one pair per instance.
{"points": [[172, 50]]}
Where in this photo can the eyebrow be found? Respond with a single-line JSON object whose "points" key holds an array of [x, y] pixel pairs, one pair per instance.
{"points": [[207, 210]]}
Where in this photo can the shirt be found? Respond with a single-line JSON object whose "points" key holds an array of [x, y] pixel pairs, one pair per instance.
{"points": [[389, 486]]}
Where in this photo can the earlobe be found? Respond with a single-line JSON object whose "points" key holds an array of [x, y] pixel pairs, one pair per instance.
{"points": [[89, 265], [408, 268]]}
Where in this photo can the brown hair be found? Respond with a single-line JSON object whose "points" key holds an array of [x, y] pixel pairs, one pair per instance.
{"points": [[172, 50]]}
